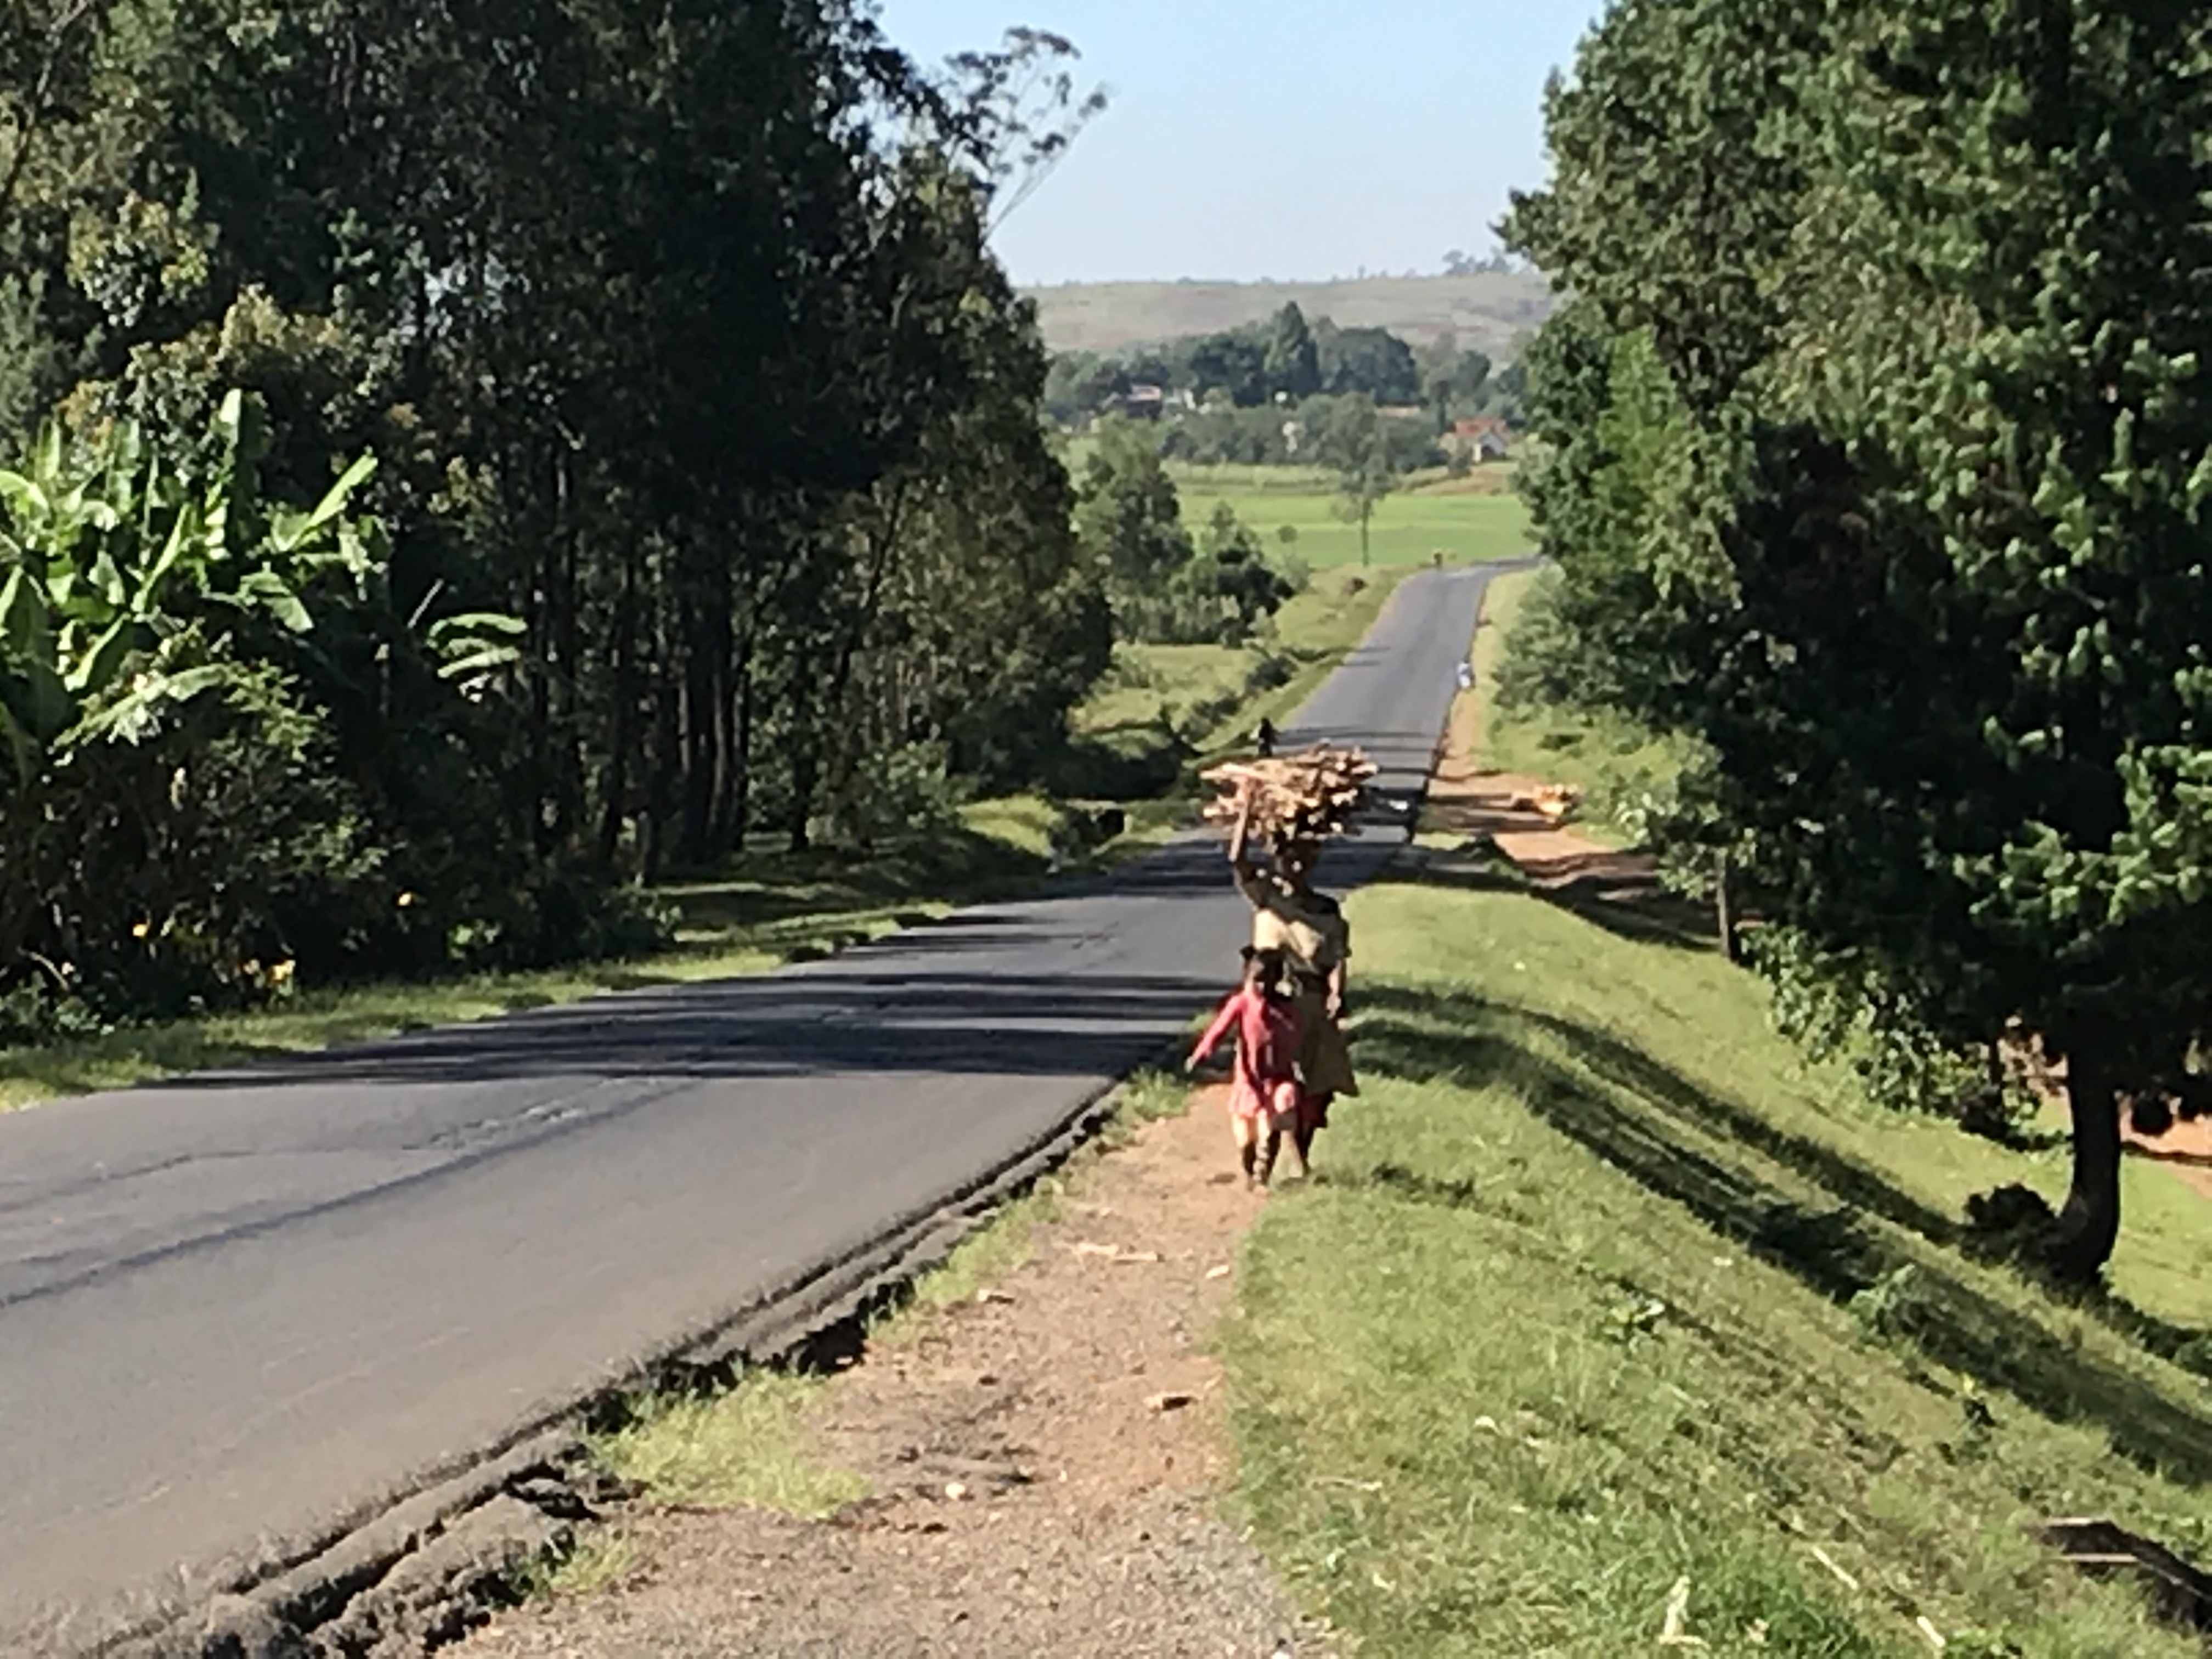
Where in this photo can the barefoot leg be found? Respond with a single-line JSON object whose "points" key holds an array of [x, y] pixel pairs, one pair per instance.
{"points": [[1247, 1145]]}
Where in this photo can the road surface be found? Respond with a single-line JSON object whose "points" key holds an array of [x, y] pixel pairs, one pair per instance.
{"points": [[237, 1306]]}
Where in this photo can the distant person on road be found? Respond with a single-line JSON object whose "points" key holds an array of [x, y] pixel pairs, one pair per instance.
{"points": [[1263, 1090], [1263, 739], [1465, 676], [1308, 929]]}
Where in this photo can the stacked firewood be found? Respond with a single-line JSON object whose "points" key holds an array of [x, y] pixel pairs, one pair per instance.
{"points": [[1556, 803], [1297, 798]]}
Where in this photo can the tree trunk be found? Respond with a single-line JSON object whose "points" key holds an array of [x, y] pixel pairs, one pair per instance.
{"points": [[805, 773], [664, 781], [615, 805], [695, 841], [2089, 1222], [1723, 911], [723, 732]]}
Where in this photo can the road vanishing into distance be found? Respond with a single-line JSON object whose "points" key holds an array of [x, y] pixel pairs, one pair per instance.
{"points": [[240, 1306]]}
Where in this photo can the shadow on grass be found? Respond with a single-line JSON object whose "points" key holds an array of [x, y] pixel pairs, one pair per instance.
{"points": [[765, 890], [2164, 1155], [1679, 1140]]}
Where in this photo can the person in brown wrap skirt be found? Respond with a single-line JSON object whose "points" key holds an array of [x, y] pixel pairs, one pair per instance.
{"points": [[1308, 930]]}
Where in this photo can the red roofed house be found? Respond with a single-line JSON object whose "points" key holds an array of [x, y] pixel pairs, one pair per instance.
{"points": [[1485, 438]]}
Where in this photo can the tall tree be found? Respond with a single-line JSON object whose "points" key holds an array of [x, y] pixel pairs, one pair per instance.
{"points": [[1372, 362], [1877, 433], [1129, 520], [675, 339], [1293, 363], [1354, 442]]}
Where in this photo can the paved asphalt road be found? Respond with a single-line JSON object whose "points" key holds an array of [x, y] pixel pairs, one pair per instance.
{"points": [[239, 1305]]}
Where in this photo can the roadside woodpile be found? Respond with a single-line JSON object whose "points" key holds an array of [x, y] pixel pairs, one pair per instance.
{"points": [[1557, 803]]}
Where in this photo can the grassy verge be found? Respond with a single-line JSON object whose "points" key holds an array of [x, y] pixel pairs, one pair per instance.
{"points": [[782, 909], [1619, 769], [1605, 1289]]}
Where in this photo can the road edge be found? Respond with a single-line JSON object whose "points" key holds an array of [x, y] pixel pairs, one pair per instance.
{"points": [[423, 1568]]}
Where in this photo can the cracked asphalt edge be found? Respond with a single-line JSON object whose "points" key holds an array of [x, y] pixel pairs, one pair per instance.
{"points": [[422, 1567]]}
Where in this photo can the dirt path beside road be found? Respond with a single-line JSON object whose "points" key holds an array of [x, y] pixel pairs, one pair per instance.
{"points": [[1044, 1468]]}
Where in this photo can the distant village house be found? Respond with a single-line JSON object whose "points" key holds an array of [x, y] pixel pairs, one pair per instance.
{"points": [[1485, 438], [1148, 402]]}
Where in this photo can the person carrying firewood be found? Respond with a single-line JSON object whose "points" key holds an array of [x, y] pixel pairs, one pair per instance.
{"points": [[1309, 932]]}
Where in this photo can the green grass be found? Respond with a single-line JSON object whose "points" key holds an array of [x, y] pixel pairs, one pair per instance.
{"points": [[751, 1448], [1620, 770], [594, 1563], [1603, 1288], [1161, 707], [1409, 528]]}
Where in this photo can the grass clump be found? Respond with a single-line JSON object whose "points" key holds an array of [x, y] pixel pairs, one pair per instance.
{"points": [[751, 1448], [1604, 1290], [597, 1561]]}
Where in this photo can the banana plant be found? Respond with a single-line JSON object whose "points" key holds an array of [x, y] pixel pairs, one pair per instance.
{"points": [[472, 648], [125, 582]]}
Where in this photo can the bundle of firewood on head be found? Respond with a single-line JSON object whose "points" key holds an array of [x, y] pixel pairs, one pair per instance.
{"points": [[1298, 800]]}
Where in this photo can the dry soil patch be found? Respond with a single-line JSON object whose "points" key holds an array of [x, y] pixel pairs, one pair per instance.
{"points": [[1044, 1466], [1467, 799]]}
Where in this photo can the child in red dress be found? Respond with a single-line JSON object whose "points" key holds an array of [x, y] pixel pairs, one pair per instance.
{"points": [[1263, 1093]]}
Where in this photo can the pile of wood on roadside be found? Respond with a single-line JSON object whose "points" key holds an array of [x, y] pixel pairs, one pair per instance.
{"points": [[1557, 803], [1296, 798]]}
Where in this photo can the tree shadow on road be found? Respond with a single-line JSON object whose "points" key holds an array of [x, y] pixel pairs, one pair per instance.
{"points": [[1835, 1224]]}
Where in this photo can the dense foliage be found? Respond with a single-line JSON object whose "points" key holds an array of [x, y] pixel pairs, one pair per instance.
{"points": [[1877, 428], [1242, 379], [1167, 586], [708, 478]]}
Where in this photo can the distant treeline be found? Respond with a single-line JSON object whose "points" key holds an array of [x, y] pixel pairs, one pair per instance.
{"points": [[1284, 361], [1323, 431]]}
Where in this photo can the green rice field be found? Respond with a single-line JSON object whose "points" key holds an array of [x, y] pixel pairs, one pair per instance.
{"points": [[1463, 520]]}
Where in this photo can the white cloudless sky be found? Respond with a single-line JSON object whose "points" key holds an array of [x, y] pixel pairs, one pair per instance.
{"points": [[1294, 139]]}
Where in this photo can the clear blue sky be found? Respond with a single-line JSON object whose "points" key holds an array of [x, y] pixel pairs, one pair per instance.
{"points": [[1285, 139]]}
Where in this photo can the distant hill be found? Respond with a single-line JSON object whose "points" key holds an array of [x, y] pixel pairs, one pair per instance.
{"points": [[1489, 310]]}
